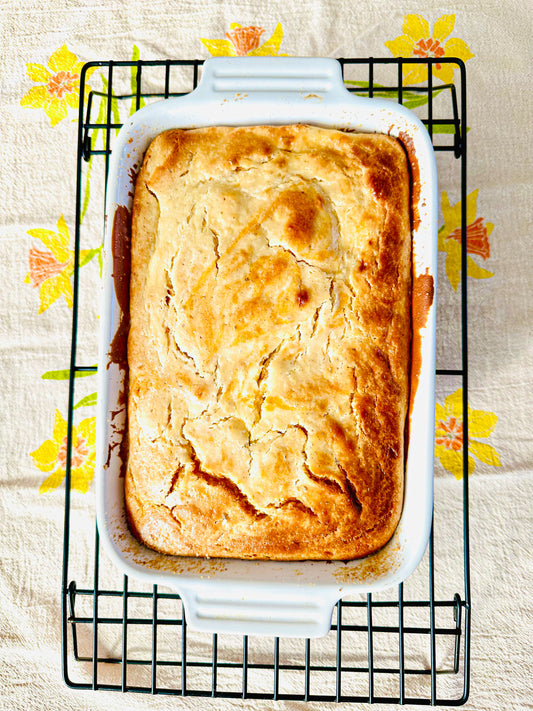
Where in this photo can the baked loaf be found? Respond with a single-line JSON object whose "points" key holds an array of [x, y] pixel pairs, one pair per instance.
{"points": [[269, 342]]}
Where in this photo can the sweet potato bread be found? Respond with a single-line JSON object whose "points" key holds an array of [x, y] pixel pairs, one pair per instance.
{"points": [[269, 342]]}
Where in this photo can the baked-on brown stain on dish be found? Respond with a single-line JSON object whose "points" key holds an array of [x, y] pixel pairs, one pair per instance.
{"points": [[121, 252], [132, 174], [422, 299]]}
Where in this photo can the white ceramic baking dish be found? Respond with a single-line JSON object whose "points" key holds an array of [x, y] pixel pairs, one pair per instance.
{"points": [[263, 597]]}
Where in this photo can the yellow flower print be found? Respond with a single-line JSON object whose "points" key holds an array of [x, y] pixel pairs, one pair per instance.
{"points": [[51, 269], [477, 239], [449, 435], [418, 41], [244, 41], [58, 86], [51, 456]]}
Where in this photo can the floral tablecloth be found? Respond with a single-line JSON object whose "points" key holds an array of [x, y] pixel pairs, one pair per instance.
{"points": [[43, 48]]}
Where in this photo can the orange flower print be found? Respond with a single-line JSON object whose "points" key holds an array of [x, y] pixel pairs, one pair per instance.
{"points": [[51, 456], [477, 239], [43, 266], [245, 41], [418, 41], [58, 85], [453, 434], [62, 83], [80, 452], [50, 269], [449, 435], [429, 48]]}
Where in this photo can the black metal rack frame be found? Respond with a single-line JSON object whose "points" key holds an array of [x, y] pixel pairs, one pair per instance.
{"points": [[349, 677]]}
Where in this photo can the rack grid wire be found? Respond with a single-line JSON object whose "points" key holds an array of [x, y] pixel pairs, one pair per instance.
{"points": [[391, 647]]}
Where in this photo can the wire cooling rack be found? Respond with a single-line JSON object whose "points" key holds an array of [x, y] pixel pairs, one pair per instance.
{"points": [[394, 647]]}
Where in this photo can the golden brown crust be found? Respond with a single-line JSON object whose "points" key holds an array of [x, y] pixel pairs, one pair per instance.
{"points": [[269, 342]]}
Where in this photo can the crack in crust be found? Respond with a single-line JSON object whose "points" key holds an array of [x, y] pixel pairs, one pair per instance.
{"points": [[350, 489], [215, 480], [175, 480], [294, 504], [263, 374]]}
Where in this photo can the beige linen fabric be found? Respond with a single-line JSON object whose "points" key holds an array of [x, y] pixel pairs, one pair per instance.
{"points": [[37, 218]]}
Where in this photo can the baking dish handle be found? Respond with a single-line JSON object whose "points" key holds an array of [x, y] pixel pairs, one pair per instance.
{"points": [[299, 78], [249, 610]]}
